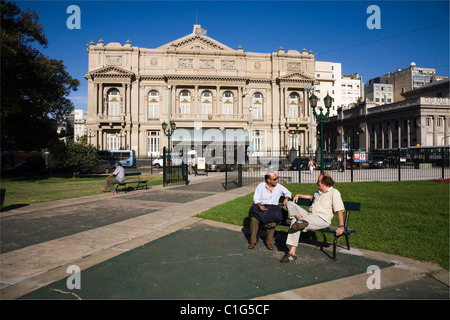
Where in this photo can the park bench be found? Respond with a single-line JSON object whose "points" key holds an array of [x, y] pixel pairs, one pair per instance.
{"points": [[127, 181], [349, 206]]}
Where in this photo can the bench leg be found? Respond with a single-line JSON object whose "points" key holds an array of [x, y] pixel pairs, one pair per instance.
{"points": [[348, 243], [334, 248]]}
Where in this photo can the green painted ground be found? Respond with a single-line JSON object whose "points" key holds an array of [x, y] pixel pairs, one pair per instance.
{"points": [[204, 262]]}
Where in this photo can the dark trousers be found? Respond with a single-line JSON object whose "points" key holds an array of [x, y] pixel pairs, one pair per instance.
{"points": [[271, 217]]}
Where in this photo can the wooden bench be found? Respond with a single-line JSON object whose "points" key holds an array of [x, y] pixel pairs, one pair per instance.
{"points": [[139, 182], [349, 206]]}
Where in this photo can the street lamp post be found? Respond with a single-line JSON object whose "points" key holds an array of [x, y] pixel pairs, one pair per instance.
{"points": [[321, 118], [310, 89], [168, 129], [250, 139]]}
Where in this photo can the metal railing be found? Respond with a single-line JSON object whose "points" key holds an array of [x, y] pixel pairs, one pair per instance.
{"points": [[356, 166], [174, 174]]}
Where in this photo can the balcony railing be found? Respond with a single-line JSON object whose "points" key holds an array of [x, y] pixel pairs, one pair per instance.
{"points": [[109, 118]]}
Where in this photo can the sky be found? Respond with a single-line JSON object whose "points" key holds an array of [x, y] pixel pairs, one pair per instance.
{"points": [[400, 32]]}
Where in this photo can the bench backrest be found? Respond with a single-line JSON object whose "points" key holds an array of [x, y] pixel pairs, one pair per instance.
{"points": [[137, 174], [132, 174], [350, 206]]}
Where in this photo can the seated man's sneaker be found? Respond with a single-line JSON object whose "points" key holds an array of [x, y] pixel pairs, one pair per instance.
{"points": [[288, 258], [300, 225]]}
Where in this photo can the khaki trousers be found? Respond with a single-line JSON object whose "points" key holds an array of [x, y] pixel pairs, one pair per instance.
{"points": [[254, 227], [111, 182], [314, 222]]}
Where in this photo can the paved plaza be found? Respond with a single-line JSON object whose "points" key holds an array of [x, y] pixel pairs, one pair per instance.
{"points": [[148, 244]]}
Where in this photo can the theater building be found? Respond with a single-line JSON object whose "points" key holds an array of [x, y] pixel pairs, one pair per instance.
{"points": [[200, 84]]}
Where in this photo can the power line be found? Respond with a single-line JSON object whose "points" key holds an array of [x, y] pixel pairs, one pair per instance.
{"points": [[385, 38]]}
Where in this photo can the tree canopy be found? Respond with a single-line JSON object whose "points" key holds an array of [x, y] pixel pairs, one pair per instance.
{"points": [[73, 155], [34, 87]]}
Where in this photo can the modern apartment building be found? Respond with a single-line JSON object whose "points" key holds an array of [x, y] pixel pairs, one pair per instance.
{"points": [[351, 89], [379, 93], [79, 123], [408, 79]]}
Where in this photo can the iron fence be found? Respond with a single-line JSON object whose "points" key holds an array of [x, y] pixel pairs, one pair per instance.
{"points": [[174, 172], [349, 166]]}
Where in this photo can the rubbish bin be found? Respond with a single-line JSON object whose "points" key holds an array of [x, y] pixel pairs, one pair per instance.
{"points": [[3, 192]]}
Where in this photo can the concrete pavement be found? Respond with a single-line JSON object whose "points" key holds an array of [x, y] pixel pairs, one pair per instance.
{"points": [[100, 234]]}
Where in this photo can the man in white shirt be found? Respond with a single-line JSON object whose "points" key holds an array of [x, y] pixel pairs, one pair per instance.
{"points": [[118, 176], [265, 208], [325, 202]]}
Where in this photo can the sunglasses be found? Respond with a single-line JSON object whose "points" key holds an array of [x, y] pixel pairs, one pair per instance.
{"points": [[275, 179]]}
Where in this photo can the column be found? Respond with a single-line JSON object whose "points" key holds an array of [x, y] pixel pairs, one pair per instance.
{"points": [[435, 142], [240, 100], [129, 99], [216, 106], [100, 99], [195, 111]]}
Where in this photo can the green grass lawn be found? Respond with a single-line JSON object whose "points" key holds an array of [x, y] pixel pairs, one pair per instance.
{"points": [[34, 189], [408, 218]]}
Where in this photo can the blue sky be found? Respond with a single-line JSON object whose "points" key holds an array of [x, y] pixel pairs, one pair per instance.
{"points": [[335, 30]]}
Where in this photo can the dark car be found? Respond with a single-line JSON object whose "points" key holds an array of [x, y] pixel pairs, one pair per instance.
{"points": [[348, 164], [103, 167], [303, 162], [272, 165], [329, 164], [378, 162], [30, 165], [217, 164]]}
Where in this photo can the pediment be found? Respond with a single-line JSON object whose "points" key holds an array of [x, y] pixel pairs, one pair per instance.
{"points": [[109, 72], [195, 42], [296, 76]]}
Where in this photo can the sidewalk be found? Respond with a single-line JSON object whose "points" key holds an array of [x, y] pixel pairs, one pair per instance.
{"points": [[147, 244]]}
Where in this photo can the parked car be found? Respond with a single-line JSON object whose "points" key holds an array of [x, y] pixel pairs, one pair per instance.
{"points": [[103, 167], [282, 165], [216, 164], [329, 164], [303, 162], [158, 162], [30, 165], [378, 162], [348, 164]]}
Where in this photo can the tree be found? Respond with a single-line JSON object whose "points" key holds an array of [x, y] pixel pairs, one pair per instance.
{"points": [[34, 87], [73, 155], [359, 102]]}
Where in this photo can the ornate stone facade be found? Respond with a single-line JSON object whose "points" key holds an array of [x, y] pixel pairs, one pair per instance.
{"points": [[202, 83]]}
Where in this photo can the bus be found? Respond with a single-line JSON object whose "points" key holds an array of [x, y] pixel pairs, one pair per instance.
{"points": [[126, 158], [438, 155]]}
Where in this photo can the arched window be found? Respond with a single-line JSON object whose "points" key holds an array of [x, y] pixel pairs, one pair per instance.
{"points": [[293, 105], [153, 104], [257, 106], [113, 102], [185, 103], [227, 104], [206, 102]]}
